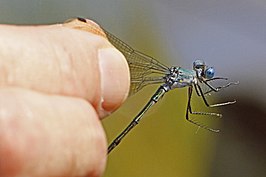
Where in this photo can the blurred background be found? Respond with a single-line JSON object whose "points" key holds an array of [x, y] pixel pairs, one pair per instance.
{"points": [[229, 35]]}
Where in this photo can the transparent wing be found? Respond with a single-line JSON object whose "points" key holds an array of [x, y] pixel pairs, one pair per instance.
{"points": [[144, 70]]}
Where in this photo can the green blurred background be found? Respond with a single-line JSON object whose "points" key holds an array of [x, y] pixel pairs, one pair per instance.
{"points": [[230, 35]]}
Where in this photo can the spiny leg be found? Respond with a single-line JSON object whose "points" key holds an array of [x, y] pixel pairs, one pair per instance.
{"points": [[217, 78], [189, 111], [212, 105], [221, 87], [212, 88], [215, 89]]}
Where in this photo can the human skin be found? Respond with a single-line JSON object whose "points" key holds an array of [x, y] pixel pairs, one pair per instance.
{"points": [[56, 84]]}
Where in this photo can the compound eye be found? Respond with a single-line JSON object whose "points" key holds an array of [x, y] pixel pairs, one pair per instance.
{"points": [[209, 72], [197, 64]]}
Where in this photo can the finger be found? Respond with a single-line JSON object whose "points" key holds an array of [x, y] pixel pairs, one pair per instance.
{"points": [[59, 60], [44, 135]]}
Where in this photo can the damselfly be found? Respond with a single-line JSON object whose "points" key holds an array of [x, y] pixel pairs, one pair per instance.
{"points": [[145, 70]]}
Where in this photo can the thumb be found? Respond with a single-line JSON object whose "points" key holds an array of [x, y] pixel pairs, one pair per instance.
{"points": [[57, 59]]}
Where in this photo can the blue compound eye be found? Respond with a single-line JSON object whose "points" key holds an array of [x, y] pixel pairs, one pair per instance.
{"points": [[209, 73]]}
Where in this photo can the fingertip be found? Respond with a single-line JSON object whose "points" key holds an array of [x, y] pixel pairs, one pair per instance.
{"points": [[113, 67], [115, 78]]}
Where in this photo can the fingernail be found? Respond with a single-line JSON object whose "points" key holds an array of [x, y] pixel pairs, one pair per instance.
{"points": [[115, 78]]}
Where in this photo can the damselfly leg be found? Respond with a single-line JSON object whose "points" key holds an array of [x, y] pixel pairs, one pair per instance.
{"points": [[202, 94], [190, 111]]}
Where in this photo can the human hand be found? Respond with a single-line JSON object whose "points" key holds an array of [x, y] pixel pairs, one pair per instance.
{"points": [[56, 83]]}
